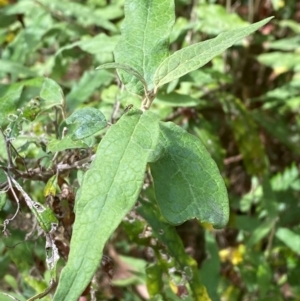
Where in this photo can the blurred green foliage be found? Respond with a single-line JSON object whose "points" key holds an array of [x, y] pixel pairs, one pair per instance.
{"points": [[244, 105]]}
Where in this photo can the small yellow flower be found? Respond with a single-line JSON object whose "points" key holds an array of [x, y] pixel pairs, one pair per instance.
{"points": [[234, 255]]}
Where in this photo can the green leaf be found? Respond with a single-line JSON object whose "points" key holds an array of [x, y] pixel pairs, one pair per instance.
{"points": [[83, 14], [277, 128], [260, 232], [9, 101], [195, 56], [86, 86], [2, 198], [125, 68], [187, 181], [210, 267], [88, 120], [281, 62], [175, 99], [66, 143], [170, 238], [209, 13], [264, 277], [144, 41], [109, 190], [32, 109], [154, 279], [94, 45], [287, 44], [52, 93], [16, 69], [289, 238], [246, 135]]}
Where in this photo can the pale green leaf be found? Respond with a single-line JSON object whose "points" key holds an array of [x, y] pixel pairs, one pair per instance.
{"points": [[280, 61], [99, 44], [195, 56], [94, 45], [88, 121], [15, 69], [144, 42], [187, 181], [109, 190], [289, 238], [66, 143], [214, 19], [52, 93], [287, 44]]}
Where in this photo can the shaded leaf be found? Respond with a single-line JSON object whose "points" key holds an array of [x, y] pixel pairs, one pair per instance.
{"points": [[168, 235], [177, 100], [187, 181], [86, 86]]}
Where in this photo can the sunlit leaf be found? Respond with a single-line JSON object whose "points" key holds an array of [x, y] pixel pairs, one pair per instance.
{"points": [[195, 56], [109, 190], [144, 40]]}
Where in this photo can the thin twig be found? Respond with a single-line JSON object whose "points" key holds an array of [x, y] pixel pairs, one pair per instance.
{"points": [[8, 220], [270, 239]]}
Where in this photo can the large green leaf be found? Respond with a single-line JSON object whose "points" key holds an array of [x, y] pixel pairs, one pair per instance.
{"points": [[195, 56], [144, 42], [109, 190], [187, 181]]}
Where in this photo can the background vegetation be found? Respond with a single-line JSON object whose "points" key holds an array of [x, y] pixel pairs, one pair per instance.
{"points": [[244, 105]]}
